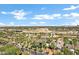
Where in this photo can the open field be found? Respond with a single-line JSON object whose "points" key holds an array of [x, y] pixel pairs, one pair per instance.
{"points": [[39, 40]]}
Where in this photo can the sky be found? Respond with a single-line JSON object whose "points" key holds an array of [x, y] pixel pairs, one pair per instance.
{"points": [[39, 14]]}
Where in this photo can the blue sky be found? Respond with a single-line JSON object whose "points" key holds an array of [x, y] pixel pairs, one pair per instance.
{"points": [[39, 14]]}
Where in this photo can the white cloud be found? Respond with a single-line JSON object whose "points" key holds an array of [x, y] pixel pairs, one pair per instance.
{"points": [[75, 14], [71, 15], [56, 15], [3, 12], [42, 17], [2, 24], [74, 17], [46, 16], [19, 14], [72, 7], [66, 15]]}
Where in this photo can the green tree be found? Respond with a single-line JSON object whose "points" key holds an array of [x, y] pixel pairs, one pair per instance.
{"points": [[67, 51], [10, 50]]}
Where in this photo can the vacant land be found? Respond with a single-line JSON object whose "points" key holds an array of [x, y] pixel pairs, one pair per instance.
{"points": [[39, 40]]}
